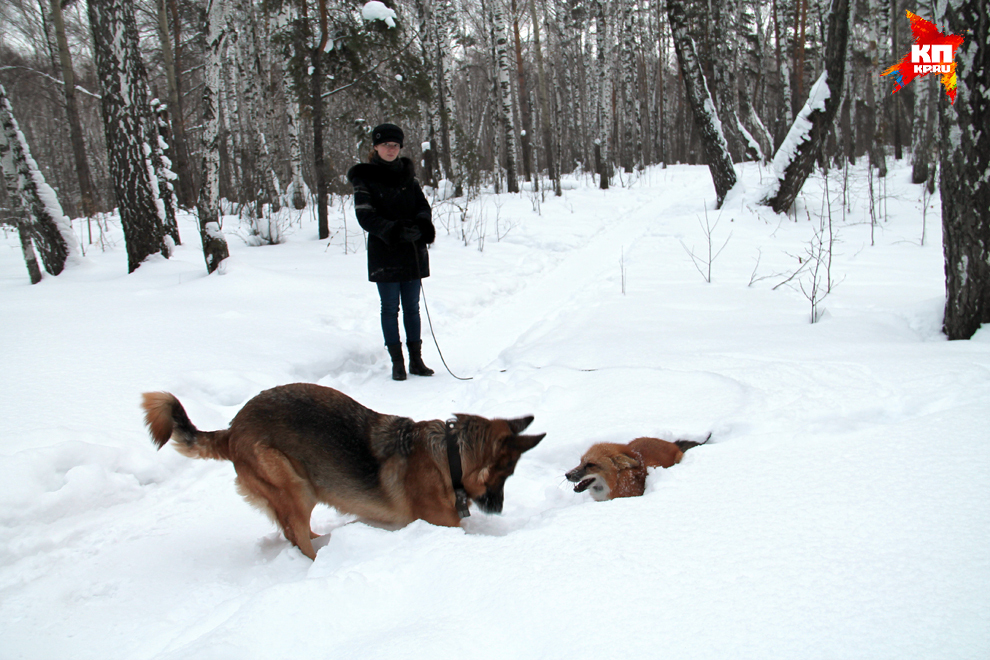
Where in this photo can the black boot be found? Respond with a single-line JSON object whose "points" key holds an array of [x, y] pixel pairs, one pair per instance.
{"points": [[398, 363], [416, 366]]}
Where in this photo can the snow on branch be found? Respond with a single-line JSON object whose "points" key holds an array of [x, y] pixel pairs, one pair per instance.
{"points": [[377, 11]]}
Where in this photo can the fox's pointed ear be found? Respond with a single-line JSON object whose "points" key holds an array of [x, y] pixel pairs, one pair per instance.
{"points": [[525, 442], [519, 425], [625, 462]]}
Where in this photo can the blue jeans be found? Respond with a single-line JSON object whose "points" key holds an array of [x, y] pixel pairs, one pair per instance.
{"points": [[391, 293]]}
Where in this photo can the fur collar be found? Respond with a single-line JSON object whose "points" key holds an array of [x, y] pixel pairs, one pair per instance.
{"points": [[376, 173]]}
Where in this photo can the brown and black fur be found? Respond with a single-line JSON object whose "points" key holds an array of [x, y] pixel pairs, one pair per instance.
{"points": [[612, 470], [296, 445]]}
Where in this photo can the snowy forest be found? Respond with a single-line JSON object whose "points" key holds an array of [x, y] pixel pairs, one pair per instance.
{"points": [[152, 105]]}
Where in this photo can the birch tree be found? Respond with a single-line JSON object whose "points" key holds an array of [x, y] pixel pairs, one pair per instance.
{"points": [[965, 181], [505, 95], [42, 221], [627, 57], [126, 121], [702, 105], [215, 247], [603, 94], [297, 191]]}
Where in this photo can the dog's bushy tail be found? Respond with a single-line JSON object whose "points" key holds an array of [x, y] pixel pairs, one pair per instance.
{"points": [[684, 445], [167, 420]]}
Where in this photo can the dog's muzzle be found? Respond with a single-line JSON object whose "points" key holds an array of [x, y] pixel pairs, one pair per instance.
{"points": [[492, 500]]}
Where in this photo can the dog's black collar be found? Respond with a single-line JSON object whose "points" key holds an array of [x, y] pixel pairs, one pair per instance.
{"points": [[456, 471]]}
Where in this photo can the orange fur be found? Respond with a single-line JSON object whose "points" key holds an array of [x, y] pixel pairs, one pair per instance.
{"points": [[613, 470]]}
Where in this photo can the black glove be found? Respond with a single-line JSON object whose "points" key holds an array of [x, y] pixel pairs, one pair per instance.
{"points": [[410, 234]]}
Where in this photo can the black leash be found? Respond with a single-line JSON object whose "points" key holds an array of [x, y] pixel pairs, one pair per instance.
{"points": [[422, 294], [456, 472]]}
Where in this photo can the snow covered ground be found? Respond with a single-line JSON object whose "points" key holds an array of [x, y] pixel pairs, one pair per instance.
{"points": [[840, 510]]}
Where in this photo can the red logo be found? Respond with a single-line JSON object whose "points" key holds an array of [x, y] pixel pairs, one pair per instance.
{"points": [[931, 52]]}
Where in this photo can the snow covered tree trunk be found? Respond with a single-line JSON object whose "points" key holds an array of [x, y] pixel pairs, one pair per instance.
{"points": [[702, 106], [87, 191], [126, 117], [26, 187], [161, 169], [505, 96], [795, 159], [965, 180], [215, 247]]}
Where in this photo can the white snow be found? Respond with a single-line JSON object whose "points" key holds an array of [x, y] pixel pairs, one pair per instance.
{"points": [[377, 11], [839, 511]]}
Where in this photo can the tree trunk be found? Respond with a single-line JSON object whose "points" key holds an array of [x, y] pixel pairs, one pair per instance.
{"points": [[544, 100], [965, 127], [31, 197], [627, 57], [27, 249], [87, 192], [702, 105], [126, 118], [319, 160], [796, 157], [924, 129], [297, 192], [445, 77], [215, 247], [726, 47], [604, 94], [186, 188], [161, 172], [523, 97], [505, 96]]}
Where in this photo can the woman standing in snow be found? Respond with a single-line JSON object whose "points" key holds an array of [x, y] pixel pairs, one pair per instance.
{"points": [[391, 207]]}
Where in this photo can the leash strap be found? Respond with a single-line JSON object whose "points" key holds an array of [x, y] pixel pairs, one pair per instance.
{"points": [[426, 306], [456, 471]]}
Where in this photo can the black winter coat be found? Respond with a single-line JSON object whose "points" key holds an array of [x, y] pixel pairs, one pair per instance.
{"points": [[387, 199]]}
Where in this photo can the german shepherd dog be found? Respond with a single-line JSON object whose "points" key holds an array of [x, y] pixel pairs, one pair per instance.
{"points": [[296, 445], [612, 470]]}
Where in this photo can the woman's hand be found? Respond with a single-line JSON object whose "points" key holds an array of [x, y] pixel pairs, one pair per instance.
{"points": [[411, 234]]}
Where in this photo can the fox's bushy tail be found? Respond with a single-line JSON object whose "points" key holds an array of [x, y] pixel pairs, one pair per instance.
{"points": [[167, 420]]}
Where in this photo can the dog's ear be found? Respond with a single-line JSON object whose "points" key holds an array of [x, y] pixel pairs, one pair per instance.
{"points": [[519, 425], [525, 442], [625, 461]]}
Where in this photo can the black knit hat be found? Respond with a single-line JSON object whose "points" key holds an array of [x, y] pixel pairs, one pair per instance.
{"points": [[386, 133]]}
